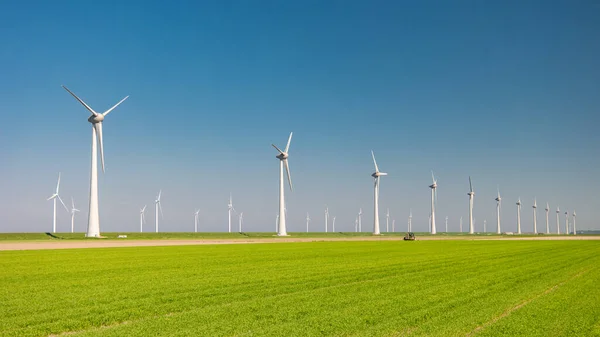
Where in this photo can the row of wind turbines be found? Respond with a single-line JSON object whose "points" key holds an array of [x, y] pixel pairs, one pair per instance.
{"points": [[93, 226]]}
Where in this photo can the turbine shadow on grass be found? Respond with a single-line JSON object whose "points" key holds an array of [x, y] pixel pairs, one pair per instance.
{"points": [[53, 236]]}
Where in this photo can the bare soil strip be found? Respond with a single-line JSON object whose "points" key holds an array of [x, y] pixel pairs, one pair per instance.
{"points": [[522, 304], [103, 243]]}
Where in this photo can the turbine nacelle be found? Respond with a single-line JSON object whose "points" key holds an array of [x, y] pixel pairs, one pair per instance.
{"points": [[378, 174], [434, 185], [471, 194], [282, 156], [96, 118]]}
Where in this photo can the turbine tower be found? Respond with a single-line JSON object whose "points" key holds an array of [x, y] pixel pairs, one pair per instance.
{"points": [[196, 220], [157, 206], [307, 221], [460, 224], [410, 221], [277, 223], [394, 225], [333, 224], [446, 224], [387, 221], [73, 210], [230, 208], [567, 222], [376, 175], [326, 217], [356, 224], [547, 222], [557, 220], [519, 216], [241, 220], [498, 205], [484, 225], [283, 161], [534, 216], [574, 223], [360, 220], [142, 218], [471, 195], [54, 197], [433, 195], [96, 120]]}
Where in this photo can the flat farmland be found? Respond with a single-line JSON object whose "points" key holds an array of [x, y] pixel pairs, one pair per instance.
{"points": [[368, 288]]}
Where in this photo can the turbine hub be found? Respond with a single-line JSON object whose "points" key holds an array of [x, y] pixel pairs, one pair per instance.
{"points": [[433, 186], [96, 118], [471, 193], [282, 156]]}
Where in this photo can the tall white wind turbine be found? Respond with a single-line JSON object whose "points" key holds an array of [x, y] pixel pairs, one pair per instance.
{"points": [[229, 210], [142, 218], [498, 206], [96, 120], [360, 220], [394, 225], [73, 210], [196, 215], [54, 197], [557, 220], [356, 224], [387, 221], [574, 223], [376, 175], [567, 222], [283, 161], [446, 224], [307, 221], [433, 194], [333, 224], [534, 216], [241, 220], [471, 195], [519, 216], [547, 222], [326, 217], [410, 221], [157, 206], [460, 224], [484, 225]]}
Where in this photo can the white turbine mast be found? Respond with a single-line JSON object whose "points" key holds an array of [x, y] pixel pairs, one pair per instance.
{"points": [[498, 207], [142, 218], [547, 222], [307, 221], [433, 187], [326, 217], [277, 223], [376, 175], [356, 224], [283, 161], [471, 195], [446, 224], [333, 224], [484, 225], [567, 222], [394, 225], [410, 220], [73, 210], [574, 223], [519, 216], [557, 220], [241, 220], [360, 220], [534, 215], [157, 206], [96, 119], [54, 197], [460, 224], [229, 210], [387, 221], [196, 215]]}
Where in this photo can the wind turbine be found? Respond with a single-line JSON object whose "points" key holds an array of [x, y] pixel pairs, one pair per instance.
{"points": [[73, 210], [356, 224], [460, 224], [333, 224], [410, 221], [387, 221], [433, 195], [230, 208], [519, 216], [96, 120], [196, 220], [307, 221], [547, 222], [283, 161], [567, 222], [142, 218], [326, 217], [446, 224], [277, 223], [498, 206], [484, 225], [158, 206], [54, 197], [241, 219], [534, 216], [557, 220], [574, 223], [471, 195], [376, 176], [360, 220], [394, 225]]}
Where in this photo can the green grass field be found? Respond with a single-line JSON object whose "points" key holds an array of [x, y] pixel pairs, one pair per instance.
{"points": [[385, 288]]}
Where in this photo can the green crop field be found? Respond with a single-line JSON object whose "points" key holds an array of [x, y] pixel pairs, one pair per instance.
{"points": [[385, 288]]}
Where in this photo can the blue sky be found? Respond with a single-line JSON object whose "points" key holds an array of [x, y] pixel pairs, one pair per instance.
{"points": [[504, 91]]}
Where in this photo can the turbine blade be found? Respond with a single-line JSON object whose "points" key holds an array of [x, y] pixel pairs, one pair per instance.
{"points": [[111, 109], [287, 169], [277, 148], [98, 127], [159, 193], [374, 161], [432, 177], [287, 147], [82, 102], [470, 185], [73, 202], [58, 183], [161, 212], [65, 206], [51, 197]]}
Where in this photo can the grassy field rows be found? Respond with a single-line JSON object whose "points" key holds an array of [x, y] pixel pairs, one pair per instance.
{"points": [[421, 288]]}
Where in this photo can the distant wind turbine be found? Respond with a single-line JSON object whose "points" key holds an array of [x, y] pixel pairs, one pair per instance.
{"points": [[433, 204], [574, 223], [241, 220], [484, 225], [142, 218], [229, 209], [326, 217], [557, 220], [157, 206], [360, 220], [387, 221], [471, 195], [547, 222], [307, 221], [283, 161], [498, 206], [96, 119], [460, 224], [196, 214], [376, 175], [410, 221], [333, 224], [534, 216], [519, 216], [54, 197], [394, 225], [567, 222], [356, 224], [446, 224], [73, 210], [277, 223]]}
